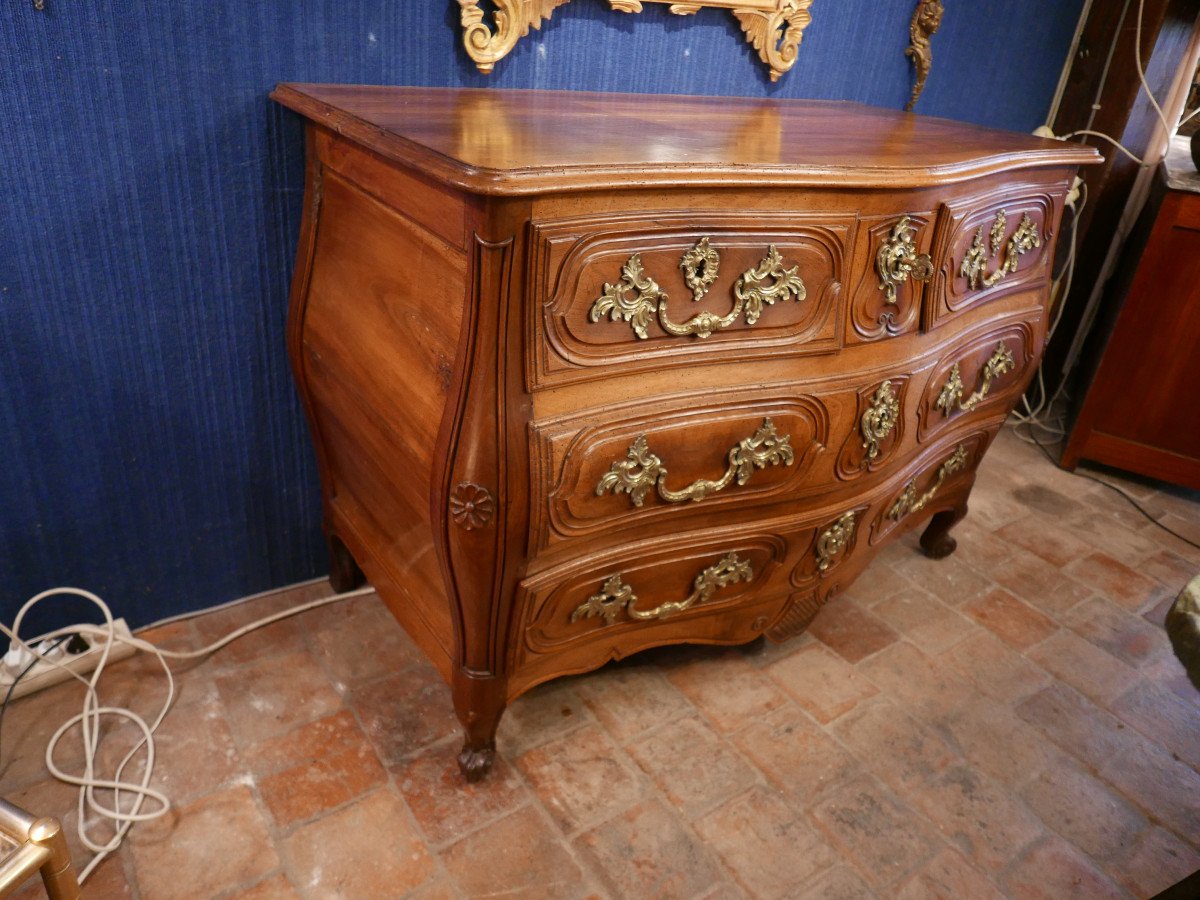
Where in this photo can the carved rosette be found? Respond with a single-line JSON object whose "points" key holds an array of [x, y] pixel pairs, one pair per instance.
{"points": [[472, 506]]}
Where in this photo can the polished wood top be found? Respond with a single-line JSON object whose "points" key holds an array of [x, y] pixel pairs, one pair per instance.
{"points": [[531, 142]]}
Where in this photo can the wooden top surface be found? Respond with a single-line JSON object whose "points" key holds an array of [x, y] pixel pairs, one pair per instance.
{"points": [[530, 142]]}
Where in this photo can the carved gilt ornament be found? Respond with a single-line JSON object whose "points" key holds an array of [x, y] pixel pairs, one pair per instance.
{"points": [[833, 541], [926, 20], [975, 262], [774, 28], [879, 419], [950, 398], [898, 260]]}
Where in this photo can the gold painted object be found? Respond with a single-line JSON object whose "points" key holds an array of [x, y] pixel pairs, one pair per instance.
{"points": [[774, 28], [950, 398], [926, 20], [642, 469], [833, 541], [637, 297], [898, 260], [974, 264], [879, 419], [616, 596], [909, 502]]}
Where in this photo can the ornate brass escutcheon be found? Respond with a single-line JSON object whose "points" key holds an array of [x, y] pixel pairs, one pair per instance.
{"points": [[974, 263], [879, 419], [616, 596], [642, 470], [999, 363], [833, 541], [636, 298], [898, 260], [909, 502]]}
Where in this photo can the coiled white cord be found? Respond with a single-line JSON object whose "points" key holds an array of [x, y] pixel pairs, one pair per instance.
{"points": [[128, 797]]}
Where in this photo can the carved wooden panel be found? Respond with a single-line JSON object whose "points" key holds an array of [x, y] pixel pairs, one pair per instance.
{"points": [[878, 427], [872, 317], [572, 262]]}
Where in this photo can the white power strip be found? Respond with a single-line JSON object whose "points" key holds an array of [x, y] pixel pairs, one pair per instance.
{"points": [[43, 674]]}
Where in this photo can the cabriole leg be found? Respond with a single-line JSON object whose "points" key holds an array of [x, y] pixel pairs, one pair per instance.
{"points": [[344, 573], [479, 701], [936, 540]]}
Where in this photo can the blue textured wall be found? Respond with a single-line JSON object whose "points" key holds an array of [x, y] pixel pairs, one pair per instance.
{"points": [[153, 449]]}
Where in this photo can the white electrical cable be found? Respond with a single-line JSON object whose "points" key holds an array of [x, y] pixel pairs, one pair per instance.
{"points": [[125, 815]]}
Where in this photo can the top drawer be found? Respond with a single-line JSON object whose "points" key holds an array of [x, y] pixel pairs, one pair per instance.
{"points": [[656, 290]]}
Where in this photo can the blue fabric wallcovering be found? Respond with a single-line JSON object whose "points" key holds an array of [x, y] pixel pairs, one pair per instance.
{"points": [[153, 448]]}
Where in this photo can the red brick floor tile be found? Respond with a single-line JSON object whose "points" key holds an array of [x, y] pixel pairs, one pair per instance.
{"points": [[995, 669], [631, 699], [838, 883], [1113, 535], [1040, 584], [438, 889], [950, 580], [211, 845], [978, 816], [979, 549], [647, 852], [771, 850], [581, 779], [1084, 810], [444, 805], [28, 726], [283, 637], [1046, 539], [992, 507], [367, 849], [404, 712], [1017, 624], [313, 769], [850, 631], [273, 887], [726, 688], [548, 711], [880, 581], [1129, 638], [1164, 718], [1169, 569], [821, 682], [896, 748], [1076, 725], [924, 620], [1054, 870], [692, 789], [948, 877], [360, 639], [274, 695], [518, 856], [925, 686], [795, 755], [1169, 674], [1037, 497], [996, 742], [1158, 861], [1116, 581], [108, 881], [1154, 780], [51, 797], [882, 837], [1099, 676]]}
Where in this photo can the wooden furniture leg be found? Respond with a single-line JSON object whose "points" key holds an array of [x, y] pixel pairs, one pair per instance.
{"points": [[936, 540], [344, 573], [479, 701]]}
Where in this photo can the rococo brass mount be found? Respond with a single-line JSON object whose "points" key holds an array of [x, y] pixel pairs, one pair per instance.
{"points": [[898, 260], [974, 264], [999, 363], [773, 27], [641, 469], [637, 296], [616, 596]]}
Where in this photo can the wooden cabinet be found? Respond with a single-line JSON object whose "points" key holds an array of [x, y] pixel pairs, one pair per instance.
{"points": [[588, 374], [1141, 411]]}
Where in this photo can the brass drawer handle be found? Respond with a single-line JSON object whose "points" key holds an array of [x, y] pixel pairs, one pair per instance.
{"points": [[834, 539], [879, 419], [616, 596], [999, 363], [909, 502], [898, 260], [641, 469], [974, 264], [637, 297]]}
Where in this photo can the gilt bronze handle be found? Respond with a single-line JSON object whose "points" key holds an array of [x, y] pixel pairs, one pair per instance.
{"points": [[950, 398], [616, 596], [641, 469], [974, 263], [637, 298], [898, 260], [909, 502]]}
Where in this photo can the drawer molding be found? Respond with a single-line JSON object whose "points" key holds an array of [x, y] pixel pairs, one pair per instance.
{"points": [[642, 469], [898, 260], [908, 501], [616, 596], [1001, 362], [636, 298]]}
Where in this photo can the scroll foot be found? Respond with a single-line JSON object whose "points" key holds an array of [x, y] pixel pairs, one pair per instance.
{"points": [[936, 540], [475, 762]]}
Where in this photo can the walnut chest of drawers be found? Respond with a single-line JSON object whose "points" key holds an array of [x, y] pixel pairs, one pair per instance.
{"points": [[588, 373]]}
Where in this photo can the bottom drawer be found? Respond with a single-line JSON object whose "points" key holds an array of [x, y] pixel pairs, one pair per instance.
{"points": [[712, 590]]}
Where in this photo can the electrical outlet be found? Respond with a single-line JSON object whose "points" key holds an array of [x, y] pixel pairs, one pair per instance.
{"points": [[42, 675]]}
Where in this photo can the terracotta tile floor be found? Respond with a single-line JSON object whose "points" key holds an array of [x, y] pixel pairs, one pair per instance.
{"points": [[1006, 722]]}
